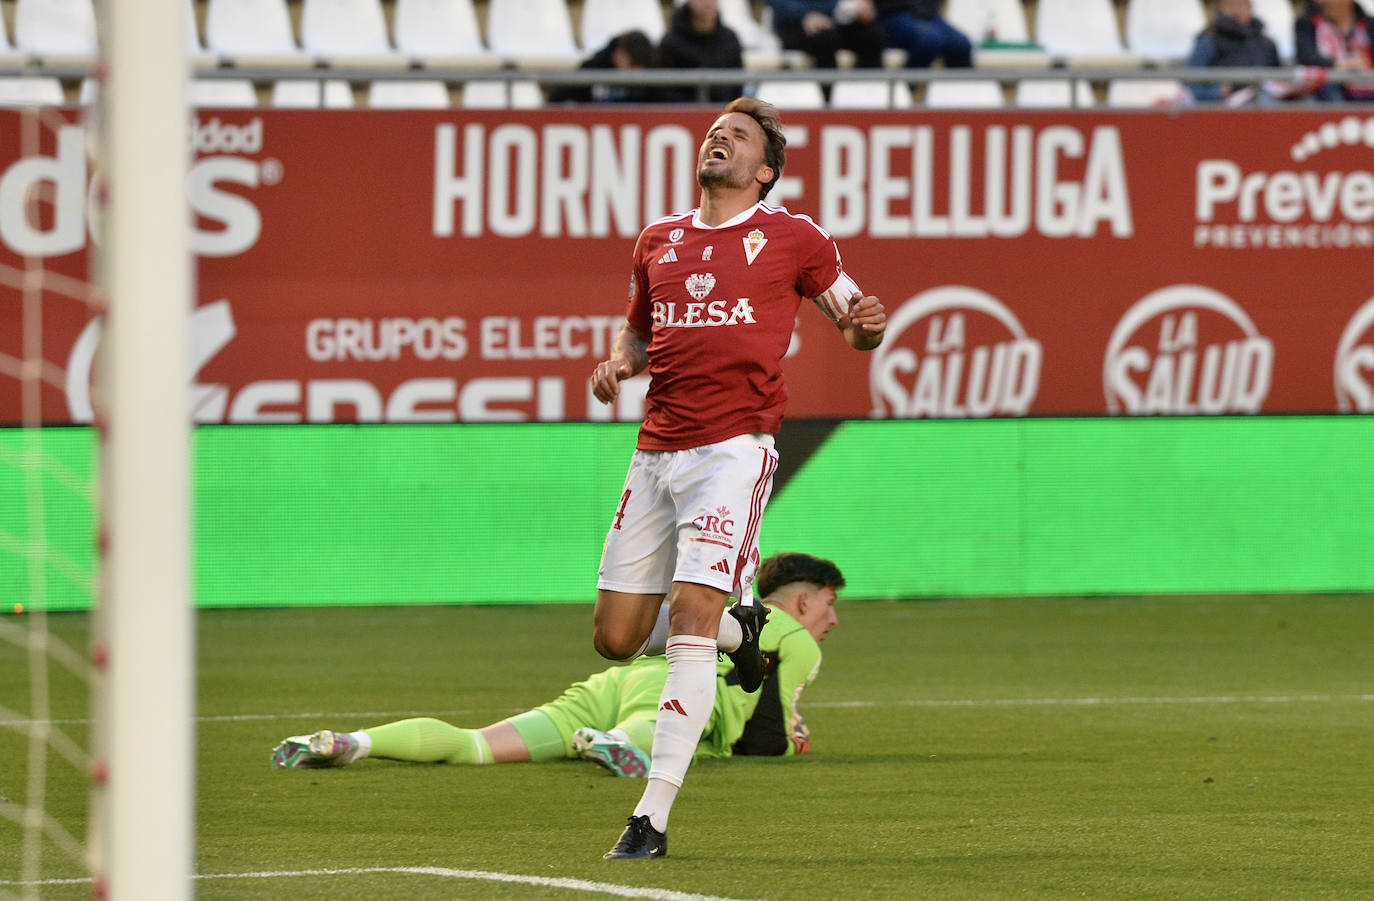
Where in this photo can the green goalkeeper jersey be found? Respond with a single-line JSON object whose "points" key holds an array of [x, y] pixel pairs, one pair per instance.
{"points": [[769, 720], [765, 722]]}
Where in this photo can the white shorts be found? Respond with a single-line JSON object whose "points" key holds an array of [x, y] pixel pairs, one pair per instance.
{"points": [[691, 516]]}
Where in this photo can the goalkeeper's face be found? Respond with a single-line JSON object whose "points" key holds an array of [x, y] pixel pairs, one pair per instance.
{"points": [[816, 611]]}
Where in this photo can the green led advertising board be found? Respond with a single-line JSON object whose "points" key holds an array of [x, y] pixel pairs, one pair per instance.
{"points": [[401, 514]]}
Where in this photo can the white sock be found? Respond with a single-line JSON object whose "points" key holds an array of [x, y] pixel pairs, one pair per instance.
{"points": [[684, 708], [728, 634], [364, 745]]}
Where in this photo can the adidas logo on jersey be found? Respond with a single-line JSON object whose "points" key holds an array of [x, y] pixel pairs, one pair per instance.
{"points": [[669, 257], [672, 705], [722, 567]]}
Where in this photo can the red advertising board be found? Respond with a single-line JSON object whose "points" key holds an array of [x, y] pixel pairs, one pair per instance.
{"points": [[472, 265]]}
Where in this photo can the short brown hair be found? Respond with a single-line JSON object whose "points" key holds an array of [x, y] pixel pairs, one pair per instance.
{"points": [[775, 143], [786, 568]]}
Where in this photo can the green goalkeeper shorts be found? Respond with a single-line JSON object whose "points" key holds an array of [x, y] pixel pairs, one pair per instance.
{"points": [[609, 698]]}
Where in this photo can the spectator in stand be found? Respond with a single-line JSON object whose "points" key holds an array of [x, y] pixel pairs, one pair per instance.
{"points": [[627, 52], [916, 27], [1235, 39], [819, 28], [697, 39], [1337, 34]]}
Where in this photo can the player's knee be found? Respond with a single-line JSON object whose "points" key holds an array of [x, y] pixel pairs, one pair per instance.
{"points": [[616, 644]]}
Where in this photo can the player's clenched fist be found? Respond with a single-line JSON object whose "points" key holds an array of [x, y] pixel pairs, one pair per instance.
{"points": [[867, 314], [606, 379]]}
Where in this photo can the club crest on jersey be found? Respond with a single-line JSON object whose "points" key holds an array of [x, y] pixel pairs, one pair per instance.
{"points": [[699, 285], [753, 243]]}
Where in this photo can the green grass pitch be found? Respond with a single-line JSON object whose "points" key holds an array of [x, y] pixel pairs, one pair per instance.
{"points": [[1212, 747]]}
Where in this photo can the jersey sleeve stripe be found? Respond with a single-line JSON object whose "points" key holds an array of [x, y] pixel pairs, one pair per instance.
{"points": [[811, 222], [834, 302]]}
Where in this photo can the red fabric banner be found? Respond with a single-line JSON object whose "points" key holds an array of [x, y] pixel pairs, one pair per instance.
{"points": [[365, 265]]}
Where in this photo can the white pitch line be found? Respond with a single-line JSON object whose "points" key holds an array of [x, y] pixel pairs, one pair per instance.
{"points": [[576, 885], [310, 715], [902, 702]]}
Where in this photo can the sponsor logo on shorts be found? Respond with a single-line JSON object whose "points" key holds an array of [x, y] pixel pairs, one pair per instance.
{"points": [[716, 527], [722, 567]]}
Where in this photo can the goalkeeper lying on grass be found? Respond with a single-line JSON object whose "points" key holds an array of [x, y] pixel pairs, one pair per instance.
{"points": [[610, 717]]}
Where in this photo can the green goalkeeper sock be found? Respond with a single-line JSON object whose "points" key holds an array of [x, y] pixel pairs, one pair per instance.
{"points": [[427, 740]]}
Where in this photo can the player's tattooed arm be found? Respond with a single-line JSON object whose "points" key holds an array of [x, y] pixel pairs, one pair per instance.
{"points": [[864, 324], [629, 357]]}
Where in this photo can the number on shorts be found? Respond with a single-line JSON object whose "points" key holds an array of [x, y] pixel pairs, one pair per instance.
{"points": [[620, 513]]}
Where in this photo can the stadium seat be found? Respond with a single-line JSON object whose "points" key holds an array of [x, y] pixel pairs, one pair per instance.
{"points": [[532, 33], [787, 95], [604, 19], [979, 20], [408, 94], [441, 33], [30, 91], [253, 33], [348, 33], [1053, 93], [195, 50], [1084, 32], [309, 93], [762, 47], [518, 94], [1277, 16], [59, 31], [1163, 29], [1131, 93], [871, 94], [8, 55], [229, 92], [997, 21], [964, 95]]}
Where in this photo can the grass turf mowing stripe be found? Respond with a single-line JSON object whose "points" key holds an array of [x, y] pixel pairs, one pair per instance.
{"points": [[839, 705], [576, 885]]}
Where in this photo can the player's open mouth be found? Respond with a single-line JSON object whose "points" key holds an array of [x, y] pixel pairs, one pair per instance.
{"points": [[717, 153]]}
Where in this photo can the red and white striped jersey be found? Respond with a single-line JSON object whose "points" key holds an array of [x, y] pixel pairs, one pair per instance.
{"points": [[720, 304]]}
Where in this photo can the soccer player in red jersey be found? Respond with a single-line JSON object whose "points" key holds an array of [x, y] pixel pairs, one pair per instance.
{"points": [[713, 296]]}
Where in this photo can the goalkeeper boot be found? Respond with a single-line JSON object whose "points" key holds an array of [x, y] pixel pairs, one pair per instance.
{"points": [[322, 749], [639, 841], [748, 657], [616, 755]]}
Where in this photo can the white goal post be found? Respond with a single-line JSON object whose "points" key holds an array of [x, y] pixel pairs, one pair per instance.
{"points": [[142, 811]]}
